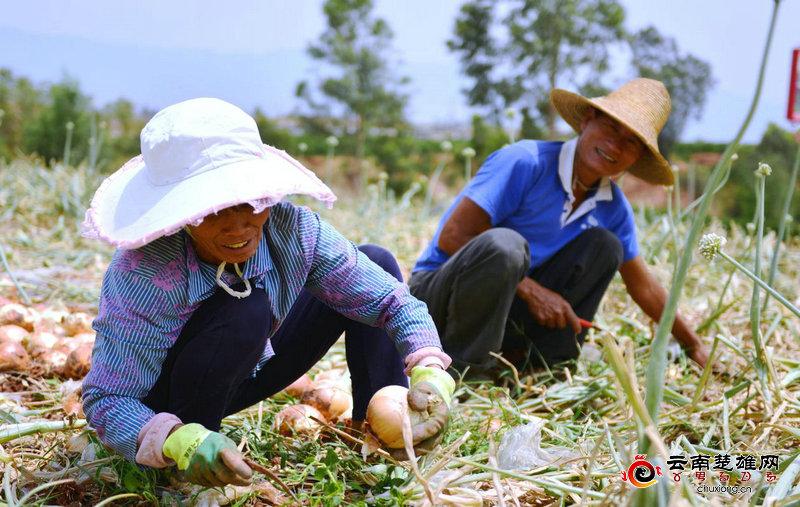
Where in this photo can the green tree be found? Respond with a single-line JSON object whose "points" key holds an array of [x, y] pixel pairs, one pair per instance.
{"points": [[486, 138], [539, 45], [123, 126], [777, 148], [478, 54], [19, 101], [687, 78], [272, 134], [46, 133], [362, 94]]}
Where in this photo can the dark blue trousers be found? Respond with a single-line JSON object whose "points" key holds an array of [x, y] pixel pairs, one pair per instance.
{"points": [[207, 373]]}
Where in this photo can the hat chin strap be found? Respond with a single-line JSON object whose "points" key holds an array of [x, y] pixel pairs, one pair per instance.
{"points": [[228, 289]]}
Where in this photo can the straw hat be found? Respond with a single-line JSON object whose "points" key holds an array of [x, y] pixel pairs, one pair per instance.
{"points": [[198, 157], [642, 105]]}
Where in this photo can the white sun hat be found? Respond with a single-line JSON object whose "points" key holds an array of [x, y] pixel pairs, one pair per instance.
{"points": [[198, 157]]}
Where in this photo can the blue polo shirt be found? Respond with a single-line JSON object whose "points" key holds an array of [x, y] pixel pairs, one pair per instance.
{"points": [[527, 187]]}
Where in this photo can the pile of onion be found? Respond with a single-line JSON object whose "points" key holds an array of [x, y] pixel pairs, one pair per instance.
{"points": [[18, 315], [13, 356], [327, 397], [297, 419], [53, 342], [385, 414], [301, 386]]}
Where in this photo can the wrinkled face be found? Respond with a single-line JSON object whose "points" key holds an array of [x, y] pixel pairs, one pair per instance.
{"points": [[605, 146], [231, 235]]}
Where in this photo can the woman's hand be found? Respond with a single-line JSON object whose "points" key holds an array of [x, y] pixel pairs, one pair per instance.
{"points": [[207, 458], [431, 392]]}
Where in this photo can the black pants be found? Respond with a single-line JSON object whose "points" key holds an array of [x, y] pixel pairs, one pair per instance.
{"points": [[207, 373], [472, 297]]}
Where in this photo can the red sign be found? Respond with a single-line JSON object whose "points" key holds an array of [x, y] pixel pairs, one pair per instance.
{"points": [[793, 112]]}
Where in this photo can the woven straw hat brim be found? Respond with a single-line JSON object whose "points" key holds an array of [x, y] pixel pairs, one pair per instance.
{"points": [[651, 166]]}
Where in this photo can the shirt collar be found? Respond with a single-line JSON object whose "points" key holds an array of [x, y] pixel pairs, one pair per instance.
{"points": [[566, 164], [203, 276]]}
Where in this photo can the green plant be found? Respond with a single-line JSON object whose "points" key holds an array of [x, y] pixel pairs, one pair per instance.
{"points": [[657, 364]]}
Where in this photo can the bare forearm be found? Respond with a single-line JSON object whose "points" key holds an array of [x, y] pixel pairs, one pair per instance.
{"points": [[451, 240], [652, 302]]}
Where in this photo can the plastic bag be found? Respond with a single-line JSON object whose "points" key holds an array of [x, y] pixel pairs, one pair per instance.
{"points": [[520, 449]]}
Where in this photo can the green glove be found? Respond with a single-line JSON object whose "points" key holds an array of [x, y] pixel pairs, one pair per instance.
{"points": [[208, 458], [436, 377], [431, 391]]}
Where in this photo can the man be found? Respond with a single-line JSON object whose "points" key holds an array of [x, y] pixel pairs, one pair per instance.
{"points": [[531, 244]]}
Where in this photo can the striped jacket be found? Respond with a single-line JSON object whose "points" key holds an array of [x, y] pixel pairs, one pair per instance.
{"points": [[149, 293]]}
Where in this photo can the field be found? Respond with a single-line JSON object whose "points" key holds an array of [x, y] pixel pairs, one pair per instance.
{"points": [[584, 423]]}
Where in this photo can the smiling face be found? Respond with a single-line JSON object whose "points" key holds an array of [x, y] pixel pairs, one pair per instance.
{"points": [[231, 235], [606, 147]]}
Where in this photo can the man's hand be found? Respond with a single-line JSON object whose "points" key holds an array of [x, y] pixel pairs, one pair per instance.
{"points": [[651, 297], [548, 307], [207, 457], [698, 353]]}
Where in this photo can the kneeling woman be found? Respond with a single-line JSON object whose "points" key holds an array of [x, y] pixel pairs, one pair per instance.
{"points": [[220, 295]]}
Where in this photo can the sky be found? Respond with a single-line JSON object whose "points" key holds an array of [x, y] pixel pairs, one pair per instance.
{"points": [[253, 52]]}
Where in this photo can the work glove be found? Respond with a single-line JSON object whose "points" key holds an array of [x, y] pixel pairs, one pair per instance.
{"points": [[206, 457], [431, 391]]}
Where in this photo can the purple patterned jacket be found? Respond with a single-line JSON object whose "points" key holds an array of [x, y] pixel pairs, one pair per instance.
{"points": [[149, 293]]}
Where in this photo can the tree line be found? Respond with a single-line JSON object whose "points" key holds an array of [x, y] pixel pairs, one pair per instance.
{"points": [[511, 54]]}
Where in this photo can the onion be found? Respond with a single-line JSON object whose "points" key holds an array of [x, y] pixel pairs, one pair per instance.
{"points": [[300, 386], [13, 333], [77, 323], [13, 357], [15, 313], [385, 414], [332, 401], [79, 361], [53, 361], [50, 321], [85, 338], [330, 375], [68, 344], [39, 342], [297, 419]]}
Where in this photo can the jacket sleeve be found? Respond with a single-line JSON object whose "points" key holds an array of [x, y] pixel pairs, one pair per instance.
{"points": [[131, 344], [350, 283]]}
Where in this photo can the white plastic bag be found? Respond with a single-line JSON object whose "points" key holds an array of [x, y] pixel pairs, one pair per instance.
{"points": [[520, 448]]}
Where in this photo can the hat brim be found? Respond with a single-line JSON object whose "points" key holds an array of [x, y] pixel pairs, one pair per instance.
{"points": [[651, 166], [128, 211]]}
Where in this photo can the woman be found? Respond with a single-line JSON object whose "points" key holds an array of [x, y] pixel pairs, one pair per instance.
{"points": [[220, 295]]}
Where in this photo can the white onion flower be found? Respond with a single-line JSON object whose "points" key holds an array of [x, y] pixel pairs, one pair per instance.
{"points": [[710, 245]]}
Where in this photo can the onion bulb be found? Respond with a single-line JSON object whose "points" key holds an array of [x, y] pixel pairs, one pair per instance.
{"points": [[53, 361], [79, 361], [15, 313], [50, 321], [300, 386], [332, 401], [84, 338], [77, 323], [39, 342], [13, 357], [13, 333], [68, 344], [297, 419], [385, 414]]}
